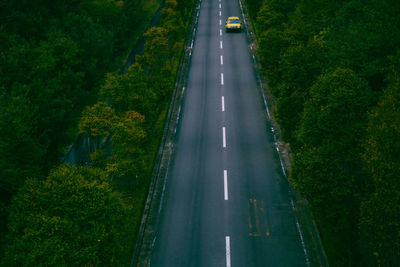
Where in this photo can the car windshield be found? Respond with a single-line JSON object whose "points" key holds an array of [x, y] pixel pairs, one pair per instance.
{"points": [[233, 21]]}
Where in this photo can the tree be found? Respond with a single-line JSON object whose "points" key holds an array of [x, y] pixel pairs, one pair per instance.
{"points": [[327, 168], [127, 140], [173, 15], [269, 16], [361, 38], [97, 120], [129, 91], [272, 44], [380, 212], [73, 219], [336, 109], [155, 56], [300, 65], [128, 134], [21, 154], [156, 51]]}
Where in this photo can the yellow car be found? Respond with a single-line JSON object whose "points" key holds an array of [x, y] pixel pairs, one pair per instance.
{"points": [[233, 24]]}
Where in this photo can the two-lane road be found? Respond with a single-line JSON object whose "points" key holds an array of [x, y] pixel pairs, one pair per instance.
{"points": [[226, 202]]}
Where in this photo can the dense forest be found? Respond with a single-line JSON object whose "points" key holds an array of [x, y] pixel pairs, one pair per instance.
{"points": [[333, 70], [59, 75]]}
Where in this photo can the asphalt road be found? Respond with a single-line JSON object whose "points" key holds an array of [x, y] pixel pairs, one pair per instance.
{"points": [[226, 201]]}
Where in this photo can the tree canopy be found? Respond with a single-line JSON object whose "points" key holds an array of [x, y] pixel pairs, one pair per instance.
{"points": [[60, 74], [72, 218]]}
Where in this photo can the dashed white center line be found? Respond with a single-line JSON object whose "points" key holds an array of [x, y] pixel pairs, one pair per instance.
{"points": [[220, 14], [222, 79], [220, 32], [219, 5], [226, 184], [220, 44], [222, 60], [223, 103], [220, 22], [223, 137], [228, 251]]}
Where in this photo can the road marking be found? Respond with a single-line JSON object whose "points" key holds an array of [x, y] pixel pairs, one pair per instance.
{"points": [[223, 103], [222, 60], [220, 44], [220, 13], [220, 32], [223, 137], [222, 79], [220, 22], [228, 251], [226, 184], [219, 5]]}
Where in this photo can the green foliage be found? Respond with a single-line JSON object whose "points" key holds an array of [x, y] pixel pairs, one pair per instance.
{"points": [[73, 219], [327, 168], [93, 40], [172, 21], [53, 56], [20, 153], [341, 92], [49, 71], [272, 44], [130, 91], [128, 135], [127, 140], [97, 120], [380, 214], [144, 89], [362, 37], [273, 14], [296, 81], [156, 51]]}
